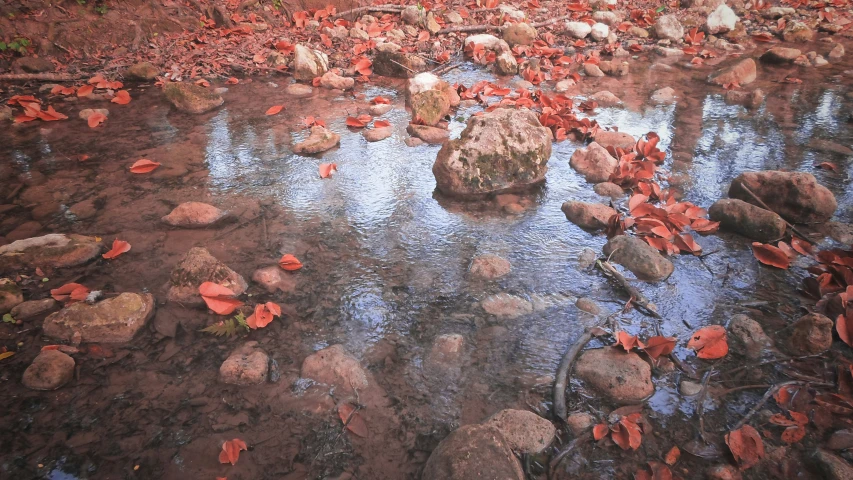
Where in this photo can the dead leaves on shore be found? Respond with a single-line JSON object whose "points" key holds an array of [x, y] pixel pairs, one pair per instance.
{"points": [[352, 419]]}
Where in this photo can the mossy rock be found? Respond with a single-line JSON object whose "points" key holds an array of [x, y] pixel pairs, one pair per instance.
{"points": [[142, 71], [191, 98]]}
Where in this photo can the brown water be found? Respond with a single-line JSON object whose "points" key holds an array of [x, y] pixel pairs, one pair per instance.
{"points": [[385, 273]]}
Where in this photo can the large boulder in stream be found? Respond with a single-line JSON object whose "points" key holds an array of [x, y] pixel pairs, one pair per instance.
{"points": [[430, 98], [504, 150], [336, 367], [623, 377], [639, 257], [199, 266], [308, 63], [591, 216], [796, 196], [114, 320], [473, 451], [191, 98], [748, 220], [55, 250]]}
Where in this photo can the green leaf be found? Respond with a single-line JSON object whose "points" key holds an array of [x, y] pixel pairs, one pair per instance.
{"points": [[660, 9], [24, 42], [8, 318], [3, 46], [241, 320]]}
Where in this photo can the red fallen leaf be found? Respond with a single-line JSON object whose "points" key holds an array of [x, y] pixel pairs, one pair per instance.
{"points": [[355, 122], [51, 115], [703, 225], [50, 347], [382, 100], [122, 97], [844, 329], [231, 451], [363, 65], [85, 90], [218, 298], [658, 346], [232, 81], [96, 119], [746, 446], [143, 166], [350, 417], [794, 80], [24, 118], [710, 342], [600, 431], [381, 124], [658, 470], [672, 456], [770, 255], [627, 341], [119, 247], [285, 47], [263, 315], [636, 200], [274, 109], [423, 36], [626, 433], [763, 37], [801, 246], [694, 36], [442, 57], [827, 166], [70, 293], [686, 243], [326, 169], [795, 430], [787, 250], [290, 263], [204, 83]]}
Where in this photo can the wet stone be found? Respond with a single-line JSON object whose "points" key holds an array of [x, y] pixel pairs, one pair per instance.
{"points": [[114, 320], [749, 335], [506, 306], [578, 423], [10, 295], [142, 71], [247, 365], [199, 266], [609, 189], [590, 216], [377, 134], [588, 305], [473, 451], [639, 257], [780, 55], [811, 334], [380, 109], [319, 140], [607, 138], [429, 98], [594, 162], [191, 98], [605, 98], [748, 220], [796, 196], [431, 135], [194, 215], [447, 349], [333, 80], [24, 230], [33, 308], [664, 96], [524, 431], [587, 258], [54, 250], [489, 267], [299, 90], [273, 278], [833, 466], [50, 370], [336, 367], [743, 72], [622, 377]]}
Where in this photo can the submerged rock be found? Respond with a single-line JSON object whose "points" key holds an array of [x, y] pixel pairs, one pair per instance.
{"points": [[55, 250], [605, 98], [430, 98], [199, 266], [191, 98], [50, 370], [247, 365], [33, 308], [377, 134], [274, 278], [194, 215], [663, 96], [812, 334], [505, 150], [591, 216], [319, 140], [447, 349], [506, 305], [607, 138], [743, 72], [336, 367], [748, 220], [580, 422], [333, 80], [299, 90], [833, 466], [524, 431], [114, 320], [431, 135], [780, 55], [623, 377], [609, 189], [10, 295], [489, 267], [473, 451], [796, 196], [308, 63], [639, 257]]}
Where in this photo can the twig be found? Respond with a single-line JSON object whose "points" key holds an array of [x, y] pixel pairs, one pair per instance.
{"points": [[764, 206], [468, 29], [401, 65], [639, 299], [700, 409], [41, 77], [768, 362], [442, 70], [376, 8], [770, 392], [562, 379], [555, 462], [551, 21]]}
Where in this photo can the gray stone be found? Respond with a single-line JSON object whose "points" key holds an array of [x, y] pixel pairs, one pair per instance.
{"points": [[748, 220], [319, 140], [639, 257], [795, 196], [54, 250], [668, 27], [591, 216]]}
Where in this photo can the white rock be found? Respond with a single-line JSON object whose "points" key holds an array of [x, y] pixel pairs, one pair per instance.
{"points": [[578, 29], [721, 20], [599, 32]]}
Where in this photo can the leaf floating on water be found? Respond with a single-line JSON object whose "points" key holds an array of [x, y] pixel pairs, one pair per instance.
{"points": [[672, 456], [96, 119], [144, 166], [381, 124], [326, 169], [119, 247], [659, 346], [627, 341], [218, 298], [263, 315], [122, 97], [274, 109], [770, 255], [290, 263], [353, 421], [746, 446], [710, 343], [231, 451], [600, 431]]}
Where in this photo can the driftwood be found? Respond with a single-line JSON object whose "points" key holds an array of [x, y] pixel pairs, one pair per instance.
{"points": [[40, 77], [468, 29], [562, 379], [638, 299]]}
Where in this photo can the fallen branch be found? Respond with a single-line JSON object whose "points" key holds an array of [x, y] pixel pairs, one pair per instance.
{"points": [[444, 69], [551, 21], [769, 393], [764, 206], [375, 8], [639, 299], [562, 380], [468, 29], [41, 77], [552, 466]]}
